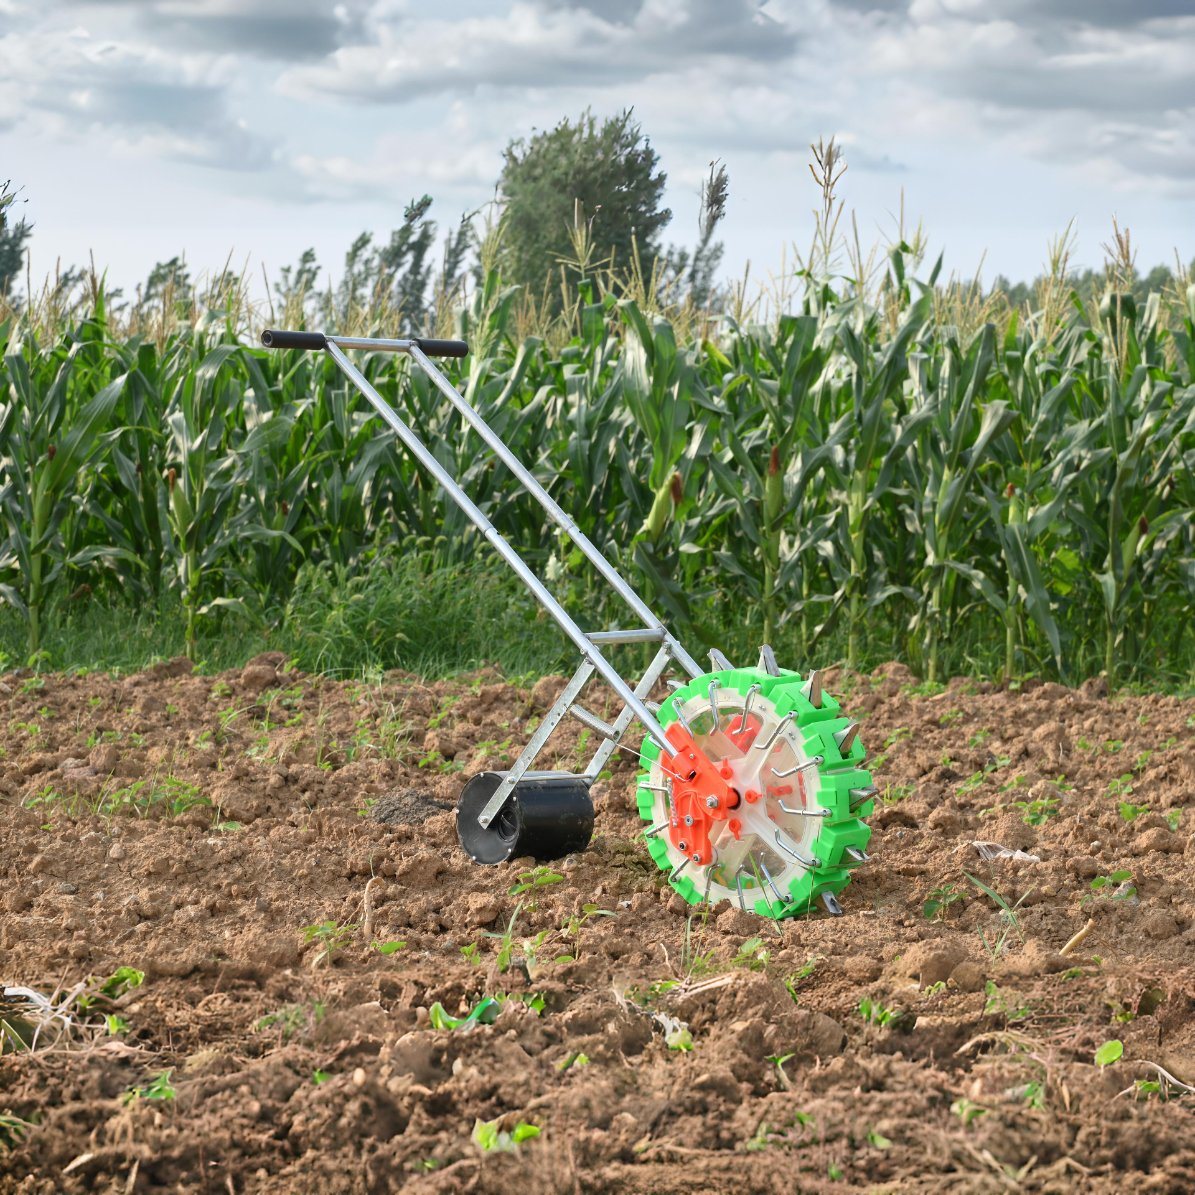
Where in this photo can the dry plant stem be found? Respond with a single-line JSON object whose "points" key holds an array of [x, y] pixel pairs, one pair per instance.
{"points": [[367, 914], [1078, 939]]}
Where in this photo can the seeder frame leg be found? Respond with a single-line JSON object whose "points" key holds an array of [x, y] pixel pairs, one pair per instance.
{"points": [[593, 659]]}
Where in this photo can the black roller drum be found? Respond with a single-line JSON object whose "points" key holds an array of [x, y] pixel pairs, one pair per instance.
{"points": [[549, 814]]}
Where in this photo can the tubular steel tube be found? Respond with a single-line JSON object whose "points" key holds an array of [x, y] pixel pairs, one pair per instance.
{"points": [[422, 454], [555, 511]]}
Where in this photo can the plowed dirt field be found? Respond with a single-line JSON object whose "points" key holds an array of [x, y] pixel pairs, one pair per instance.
{"points": [[276, 854]]}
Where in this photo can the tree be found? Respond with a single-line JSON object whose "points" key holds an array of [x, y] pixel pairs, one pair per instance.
{"points": [[609, 170], [13, 235]]}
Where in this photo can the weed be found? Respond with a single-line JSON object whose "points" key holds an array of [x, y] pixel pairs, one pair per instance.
{"points": [[577, 1058], [1008, 915], [877, 1140], [469, 953], [950, 717], [319, 1076], [795, 979], [896, 792], [12, 1130], [1131, 812], [391, 947]]}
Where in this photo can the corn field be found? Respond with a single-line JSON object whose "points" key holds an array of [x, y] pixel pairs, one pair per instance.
{"points": [[865, 474]]}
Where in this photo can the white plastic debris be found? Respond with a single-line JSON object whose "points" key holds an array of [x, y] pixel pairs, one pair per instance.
{"points": [[993, 850]]}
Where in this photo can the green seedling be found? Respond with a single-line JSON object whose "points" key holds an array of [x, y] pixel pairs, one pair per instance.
{"points": [[506, 939], [1122, 786], [752, 955], [292, 1019], [1117, 886], [967, 1111], [318, 1077], [491, 1139], [538, 877], [877, 1140], [679, 1039], [940, 899], [391, 947], [778, 1061], [1174, 818], [485, 1012], [1109, 1053], [115, 1025], [1037, 811], [875, 1013], [332, 937], [158, 1088], [469, 954], [573, 925], [1131, 812], [997, 1004], [577, 1058]]}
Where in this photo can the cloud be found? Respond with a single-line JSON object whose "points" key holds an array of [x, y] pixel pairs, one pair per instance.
{"points": [[543, 46], [1100, 88], [68, 85], [288, 30]]}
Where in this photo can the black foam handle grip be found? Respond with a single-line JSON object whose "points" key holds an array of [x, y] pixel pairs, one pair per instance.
{"points": [[274, 339], [442, 348]]}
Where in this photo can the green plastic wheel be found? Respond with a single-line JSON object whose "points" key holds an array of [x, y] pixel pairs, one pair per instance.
{"points": [[794, 767]]}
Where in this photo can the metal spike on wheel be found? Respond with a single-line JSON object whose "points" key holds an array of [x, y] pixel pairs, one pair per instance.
{"points": [[761, 802]]}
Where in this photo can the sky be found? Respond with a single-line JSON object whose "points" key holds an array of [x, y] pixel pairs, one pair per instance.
{"points": [[141, 129]]}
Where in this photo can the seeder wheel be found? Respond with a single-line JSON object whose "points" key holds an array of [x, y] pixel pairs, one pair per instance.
{"points": [[546, 816], [787, 826]]}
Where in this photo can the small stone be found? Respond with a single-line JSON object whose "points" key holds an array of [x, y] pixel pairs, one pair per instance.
{"points": [[359, 1077], [1159, 925], [1084, 866], [482, 909], [116, 852], [967, 977], [257, 677], [1158, 839], [931, 962]]}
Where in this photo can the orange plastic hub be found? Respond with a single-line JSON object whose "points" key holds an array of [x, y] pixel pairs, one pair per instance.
{"points": [[700, 797]]}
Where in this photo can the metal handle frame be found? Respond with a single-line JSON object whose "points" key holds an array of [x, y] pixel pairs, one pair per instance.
{"points": [[593, 660]]}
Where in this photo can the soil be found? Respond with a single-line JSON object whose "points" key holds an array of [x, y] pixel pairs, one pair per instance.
{"points": [[248, 841]]}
